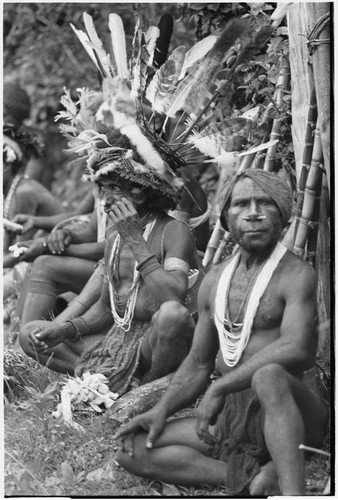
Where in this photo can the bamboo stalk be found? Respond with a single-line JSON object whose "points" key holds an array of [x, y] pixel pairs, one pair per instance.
{"points": [[281, 89], [258, 161], [213, 243], [313, 178], [307, 153], [314, 226]]}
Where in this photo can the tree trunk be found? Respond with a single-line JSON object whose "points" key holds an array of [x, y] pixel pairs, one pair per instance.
{"points": [[138, 400]]}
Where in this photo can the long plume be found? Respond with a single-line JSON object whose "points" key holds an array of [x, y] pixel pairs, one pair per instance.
{"points": [[118, 40], [100, 53], [160, 88], [197, 52]]}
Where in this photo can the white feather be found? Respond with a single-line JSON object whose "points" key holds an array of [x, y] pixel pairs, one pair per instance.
{"points": [[97, 44], [199, 50], [261, 147], [118, 40], [83, 37], [144, 147], [151, 36]]}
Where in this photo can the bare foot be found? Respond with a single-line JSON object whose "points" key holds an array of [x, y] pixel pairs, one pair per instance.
{"points": [[266, 482]]}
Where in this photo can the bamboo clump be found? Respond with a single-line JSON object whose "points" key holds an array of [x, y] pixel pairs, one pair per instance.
{"points": [[310, 195], [282, 88], [307, 153]]}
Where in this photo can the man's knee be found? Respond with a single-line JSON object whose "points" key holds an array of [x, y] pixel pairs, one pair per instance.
{"points": [[46, 266], [139, 463], [172, 320], [270, 383]]}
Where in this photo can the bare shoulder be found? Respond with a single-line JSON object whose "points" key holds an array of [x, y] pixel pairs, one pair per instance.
{"points": [[31, 186], [297, 275]]}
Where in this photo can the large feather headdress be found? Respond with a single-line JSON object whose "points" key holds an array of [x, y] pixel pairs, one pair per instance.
{"points": [[133, 128]]}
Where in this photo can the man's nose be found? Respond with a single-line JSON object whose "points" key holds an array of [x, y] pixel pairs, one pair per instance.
{"points": [[253, 210]]}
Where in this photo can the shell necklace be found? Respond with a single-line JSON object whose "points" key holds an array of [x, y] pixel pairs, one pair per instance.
{"points": [[124, 322]]}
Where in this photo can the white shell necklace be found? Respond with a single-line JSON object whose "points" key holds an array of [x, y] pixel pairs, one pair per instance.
{"points": [[124, 322]]}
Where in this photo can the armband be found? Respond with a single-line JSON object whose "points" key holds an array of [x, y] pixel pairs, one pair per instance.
{"points": [[175, 264]]}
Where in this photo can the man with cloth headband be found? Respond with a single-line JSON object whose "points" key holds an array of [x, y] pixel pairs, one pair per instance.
{"points": [[257, 325]]}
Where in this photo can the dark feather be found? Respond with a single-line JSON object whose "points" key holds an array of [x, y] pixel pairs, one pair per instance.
{"points": [[165, 26]]}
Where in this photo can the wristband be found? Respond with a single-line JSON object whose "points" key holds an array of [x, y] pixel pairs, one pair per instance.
{"points": [[144, 261], [148, 265], [77, 334], [81, 326]]}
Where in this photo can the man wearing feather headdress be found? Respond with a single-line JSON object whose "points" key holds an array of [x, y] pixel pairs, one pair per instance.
{"points": [[148, 258], [257, 321]]}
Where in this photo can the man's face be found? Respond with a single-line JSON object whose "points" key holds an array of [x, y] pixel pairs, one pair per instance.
{"points": [[112, 192], [253, 217]]}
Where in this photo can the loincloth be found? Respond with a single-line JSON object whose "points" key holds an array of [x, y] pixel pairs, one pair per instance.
{"points": [[116, 355], [240, 439]]}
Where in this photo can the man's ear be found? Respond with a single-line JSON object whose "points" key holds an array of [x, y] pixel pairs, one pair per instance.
{"points": [[137, 195]]}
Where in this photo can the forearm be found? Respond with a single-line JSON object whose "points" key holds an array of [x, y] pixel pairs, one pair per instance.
{"points": [[47, 223], [294, 358], [9, 260], [97, 319], [89, 251], [89, 295], [188, 383]]}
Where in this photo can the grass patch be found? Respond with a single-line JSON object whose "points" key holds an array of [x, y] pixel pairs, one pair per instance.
{"points": [[46, 457]]}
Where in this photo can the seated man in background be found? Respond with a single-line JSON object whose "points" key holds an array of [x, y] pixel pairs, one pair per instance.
{"points": [[21, 194], [257, 322], [147, 262], [63, 262]]}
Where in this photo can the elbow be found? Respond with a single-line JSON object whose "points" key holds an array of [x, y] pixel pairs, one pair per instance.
{"points": [[305, 359]]}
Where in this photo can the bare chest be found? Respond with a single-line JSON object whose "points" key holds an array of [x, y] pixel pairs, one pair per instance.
{"points": [[270, 309]]}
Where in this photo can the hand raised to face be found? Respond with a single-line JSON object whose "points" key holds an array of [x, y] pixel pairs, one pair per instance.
{"points": [[125, 218]]}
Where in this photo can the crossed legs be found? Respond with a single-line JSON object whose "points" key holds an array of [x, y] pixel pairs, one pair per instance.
{"points": [[52, 275], [292, 415]]}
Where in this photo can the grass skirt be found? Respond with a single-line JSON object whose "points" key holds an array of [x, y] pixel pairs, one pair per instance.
{"points": [[240, 440], [116, 356]]}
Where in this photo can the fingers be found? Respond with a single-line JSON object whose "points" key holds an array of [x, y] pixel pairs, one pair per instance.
{"points": [[39, 344], [202, 431], [57, 242]]}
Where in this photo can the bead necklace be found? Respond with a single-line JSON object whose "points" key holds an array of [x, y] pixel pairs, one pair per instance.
{"points": [[234, 340], [116, 300], [235, 325], [10, 194]]}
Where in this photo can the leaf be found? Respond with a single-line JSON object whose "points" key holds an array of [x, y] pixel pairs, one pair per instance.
{"points": [[67, 474], [106, 472]]}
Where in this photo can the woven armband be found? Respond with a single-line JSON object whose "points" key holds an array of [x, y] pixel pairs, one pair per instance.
{"points": [[175, 264], [148, 265], [80, 326]]}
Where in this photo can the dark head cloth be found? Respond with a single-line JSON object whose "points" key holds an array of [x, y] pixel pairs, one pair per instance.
{"points": [[273, 185]]}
